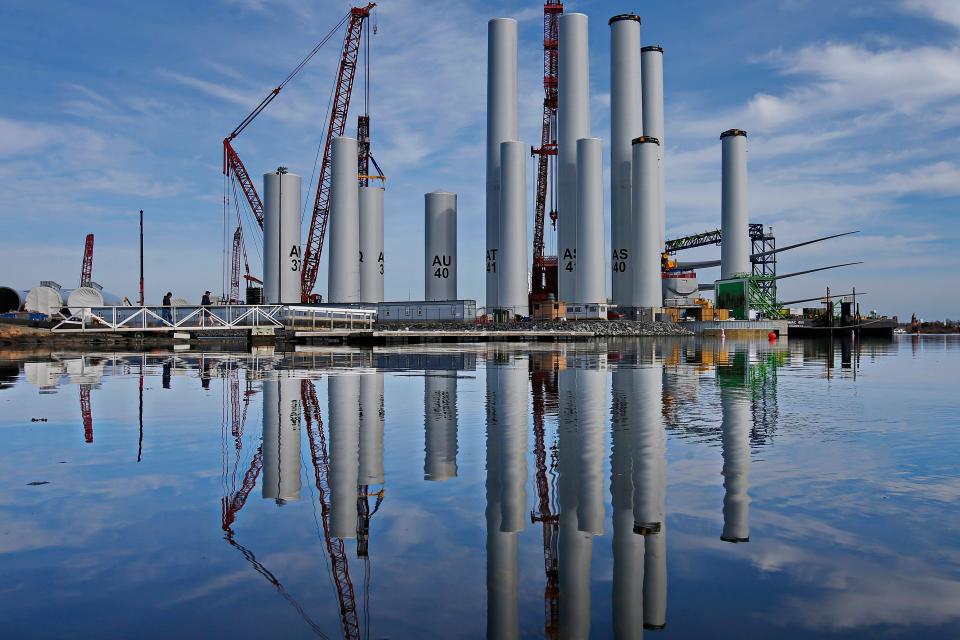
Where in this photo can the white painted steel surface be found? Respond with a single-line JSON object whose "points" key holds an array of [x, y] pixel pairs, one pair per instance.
{"points": [[371, 244], [627, 546], [651, 59], [573, 123], [440, 425], [511, 412], [371, 429], [512, 264], [343, 283], [501, 126], [344, 403], [281, 440], [591, 278], [282, 250], [734, 221], [646, 285], [440, 246], [88, 297], [626, 123], [736, 421], [46, 300], [592, 420]]}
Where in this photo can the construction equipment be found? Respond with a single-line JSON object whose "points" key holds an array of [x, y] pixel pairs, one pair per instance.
{"points": [[86, 270], [543, 380], [544, 278], [338, 122], [234, 170]]}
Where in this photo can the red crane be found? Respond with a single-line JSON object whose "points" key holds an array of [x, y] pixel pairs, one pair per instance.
{"points": [[544, 278], [338, 122], [86, 270]]}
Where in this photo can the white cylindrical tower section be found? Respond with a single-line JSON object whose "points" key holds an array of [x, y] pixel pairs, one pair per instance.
{"points": [[501, 126], [282, 253], [626, 123], [343, 276], [344, 398], [573, 123], [371, 429], [440, 246], [45, 300], [281, 440], [511, 422], [646, 245], [512, 262], [735, 442], [734, 245], [440, 425], [652, 80], [371, 244], [591, 279]]}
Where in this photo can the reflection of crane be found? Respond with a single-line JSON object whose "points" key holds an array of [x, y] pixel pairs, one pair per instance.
{"points": [[335, 547], [544, 389], [86, 271]]}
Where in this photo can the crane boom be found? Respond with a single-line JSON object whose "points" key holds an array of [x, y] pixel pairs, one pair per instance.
{"points": [[552, 9], [338, 122], [86, 270]]}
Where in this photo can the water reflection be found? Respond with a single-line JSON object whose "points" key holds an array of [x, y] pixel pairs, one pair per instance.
{"points": [[538, 431]]}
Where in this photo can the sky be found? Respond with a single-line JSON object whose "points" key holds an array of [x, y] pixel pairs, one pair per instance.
{"points": [[106, 108]]}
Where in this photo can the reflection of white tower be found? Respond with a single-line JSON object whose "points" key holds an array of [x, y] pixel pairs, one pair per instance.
{"points": [[502, 563], [344, 402], [440, 424], [512, 413], [575, 547], [627, 547], [649, 494], [281, 439], [735, 440], [371, 429], [591, 422]]}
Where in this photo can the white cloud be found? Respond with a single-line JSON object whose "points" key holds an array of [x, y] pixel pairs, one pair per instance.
{"points": [[944, 10]]}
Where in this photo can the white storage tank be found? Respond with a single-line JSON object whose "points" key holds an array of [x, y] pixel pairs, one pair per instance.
{"points": [[282, 251], [371, 244], [440, 245]]}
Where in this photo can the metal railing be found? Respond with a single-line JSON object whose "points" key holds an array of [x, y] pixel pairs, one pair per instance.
{"points": [[211, 318]]}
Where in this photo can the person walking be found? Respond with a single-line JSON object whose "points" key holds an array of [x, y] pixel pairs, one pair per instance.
{"points": [[205, 300], [167, 303]]}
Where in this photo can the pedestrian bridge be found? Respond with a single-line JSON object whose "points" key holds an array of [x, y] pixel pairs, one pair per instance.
{"points": [[299, 318]]}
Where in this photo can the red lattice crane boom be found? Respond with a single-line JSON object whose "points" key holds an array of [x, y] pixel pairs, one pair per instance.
{"points": [[86, 270], [542, 283], [337, 124]]}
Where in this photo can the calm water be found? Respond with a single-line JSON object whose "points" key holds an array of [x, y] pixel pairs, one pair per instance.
{"points": [[718, 490]]}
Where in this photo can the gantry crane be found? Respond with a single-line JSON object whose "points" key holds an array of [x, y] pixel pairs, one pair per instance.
{"points": [[544, 278], [235, 172]]}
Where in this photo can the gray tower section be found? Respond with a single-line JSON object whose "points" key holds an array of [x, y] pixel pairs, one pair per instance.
{"points": [[734, 244], [282, 252], [651, 59], [646, 246], [573, 123], [440, 246], [440, 425], [343, 284], [344, 409], [735, 442], [512, 262], [371, 244], [501, 126], [626, 123], [281, 440], [591, 279]]}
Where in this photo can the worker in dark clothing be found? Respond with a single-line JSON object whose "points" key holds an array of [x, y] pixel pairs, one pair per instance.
{"points": [[205, 300], [167, 303]]}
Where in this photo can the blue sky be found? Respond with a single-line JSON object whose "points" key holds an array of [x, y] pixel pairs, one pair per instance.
{"points": [[853, 110]]}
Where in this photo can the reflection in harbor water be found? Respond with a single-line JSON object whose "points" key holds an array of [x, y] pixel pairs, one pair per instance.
{"points": [[527, 434]]}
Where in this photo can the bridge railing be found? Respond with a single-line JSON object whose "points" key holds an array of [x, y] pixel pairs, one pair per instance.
{"points": [[211, 318]]}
